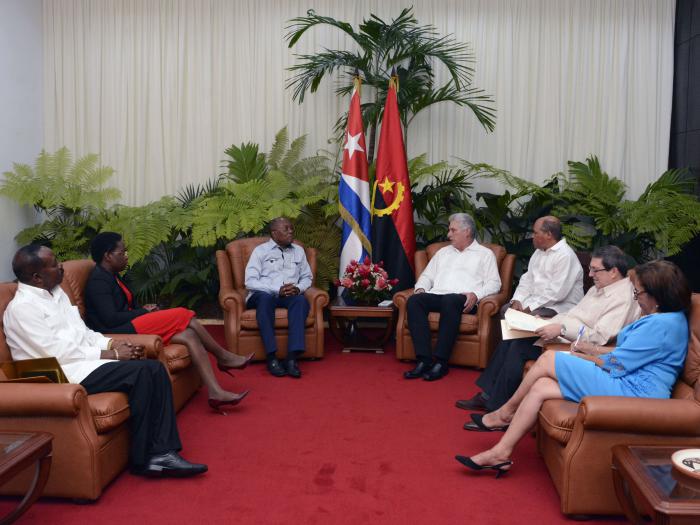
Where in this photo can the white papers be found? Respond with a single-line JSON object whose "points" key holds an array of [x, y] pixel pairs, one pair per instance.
{"points": [[518, 325]]}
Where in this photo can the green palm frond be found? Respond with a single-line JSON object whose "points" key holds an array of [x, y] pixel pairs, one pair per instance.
{"points": [[419, 169], [413, 50], [144, 227], [245, 163], [279, 147], [187, 195]]}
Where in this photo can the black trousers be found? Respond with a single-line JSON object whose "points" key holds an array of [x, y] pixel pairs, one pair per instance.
{"points": [[450, 307], [152, 423], [504, 372]]}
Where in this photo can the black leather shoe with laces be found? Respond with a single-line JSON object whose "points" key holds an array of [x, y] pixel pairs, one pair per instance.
{"points": [[275, 367], [171, 464]]}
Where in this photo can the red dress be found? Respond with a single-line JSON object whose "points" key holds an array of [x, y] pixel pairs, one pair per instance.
{"points": [[165, 323]]}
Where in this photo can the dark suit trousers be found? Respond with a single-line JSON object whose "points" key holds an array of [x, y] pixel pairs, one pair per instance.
{"points": [[297, 311], [504, 372], [450, 307], [152, 423]]}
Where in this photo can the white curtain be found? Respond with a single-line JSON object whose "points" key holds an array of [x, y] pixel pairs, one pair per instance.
{"points": [[160, 88]]}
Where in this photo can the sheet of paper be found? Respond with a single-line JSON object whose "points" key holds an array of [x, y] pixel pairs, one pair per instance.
{"points": [[521, 321], [509, 333]]}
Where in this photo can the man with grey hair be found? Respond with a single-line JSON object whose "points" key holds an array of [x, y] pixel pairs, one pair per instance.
{"points": [[456, 278], [598, 317], [553, 283]]}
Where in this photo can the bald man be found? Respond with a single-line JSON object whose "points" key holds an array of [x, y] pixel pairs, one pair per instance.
{"points": [[553, 283]]}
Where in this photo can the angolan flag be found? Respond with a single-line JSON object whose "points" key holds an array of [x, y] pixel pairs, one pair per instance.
{"points": [[393, 234]]}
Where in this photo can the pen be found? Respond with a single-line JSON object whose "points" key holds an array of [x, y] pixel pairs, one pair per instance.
{"points": [[578, 338]]}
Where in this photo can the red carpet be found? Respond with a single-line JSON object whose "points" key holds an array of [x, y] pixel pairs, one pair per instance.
{"points": [[351, 442]]}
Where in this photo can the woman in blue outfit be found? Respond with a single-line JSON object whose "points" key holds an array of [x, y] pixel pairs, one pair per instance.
{"points": [[648, 358]]}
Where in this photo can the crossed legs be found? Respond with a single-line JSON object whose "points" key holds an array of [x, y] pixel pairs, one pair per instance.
{"points": [[198, 341], [520, 411]]}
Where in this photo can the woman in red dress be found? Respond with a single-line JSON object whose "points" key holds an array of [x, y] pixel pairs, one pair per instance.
{"points": [[110, 307]]}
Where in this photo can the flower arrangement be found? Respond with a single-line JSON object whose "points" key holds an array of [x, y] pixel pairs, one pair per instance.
{"points": [[367, 282]]}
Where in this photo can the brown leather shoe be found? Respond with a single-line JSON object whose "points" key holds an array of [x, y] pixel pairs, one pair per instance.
{"points": [[475, 403]]}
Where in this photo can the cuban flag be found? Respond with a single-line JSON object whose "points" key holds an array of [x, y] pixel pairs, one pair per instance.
{"points": [[353, 191]]}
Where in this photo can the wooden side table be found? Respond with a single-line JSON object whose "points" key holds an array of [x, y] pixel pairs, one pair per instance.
{"points": [[344, 326], [18, 450], [644, 477]]}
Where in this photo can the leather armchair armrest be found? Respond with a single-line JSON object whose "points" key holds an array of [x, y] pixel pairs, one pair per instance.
{"points": [[41, 399], [490, 305], [317, 298], [152, 344], [232, 301], [640, 415], [401, 297]]}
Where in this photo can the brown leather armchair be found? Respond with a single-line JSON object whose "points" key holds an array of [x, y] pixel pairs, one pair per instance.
{"points": [[91, 433], [176, 358], [477, 333], [240, 324], [575, 440]]}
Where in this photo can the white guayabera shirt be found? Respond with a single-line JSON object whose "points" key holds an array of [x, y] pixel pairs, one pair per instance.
{"points": [[470, 270], [42, 324], [554, 279]]}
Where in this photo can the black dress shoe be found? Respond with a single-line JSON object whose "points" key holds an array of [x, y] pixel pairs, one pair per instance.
{"points": [[420, 369], [293, 369], [475, 403], [438, 371], [171, 464], [276, 368]]}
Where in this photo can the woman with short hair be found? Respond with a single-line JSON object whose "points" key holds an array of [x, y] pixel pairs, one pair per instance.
{"points": [[646, 362], [111, 307]]}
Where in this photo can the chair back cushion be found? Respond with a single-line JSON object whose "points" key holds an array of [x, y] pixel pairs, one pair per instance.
{"points": [[75, 276], [239, 252], [7, 292]]}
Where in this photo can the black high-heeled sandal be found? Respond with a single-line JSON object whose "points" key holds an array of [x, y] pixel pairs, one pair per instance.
{"points": [[216, 404], [477, 425], [500, 468], [227, 369]]}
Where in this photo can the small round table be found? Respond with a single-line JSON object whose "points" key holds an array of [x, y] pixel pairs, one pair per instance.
{"points": [[343, 322]]}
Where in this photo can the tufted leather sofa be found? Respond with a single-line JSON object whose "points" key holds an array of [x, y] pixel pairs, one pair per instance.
{"points": [[575, 440], [477, 333], [240, 324], [91, 435]]}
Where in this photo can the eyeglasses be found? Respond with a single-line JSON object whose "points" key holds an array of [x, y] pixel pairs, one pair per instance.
{"points": [[125, 253], [637, 293], [596, 270]]}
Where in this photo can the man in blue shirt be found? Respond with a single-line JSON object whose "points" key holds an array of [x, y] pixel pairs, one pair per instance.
{"points": [[277, 275]]}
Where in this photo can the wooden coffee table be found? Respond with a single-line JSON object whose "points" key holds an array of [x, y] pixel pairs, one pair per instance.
{"points": [[18, 450], [646, 482], [343, 322]]}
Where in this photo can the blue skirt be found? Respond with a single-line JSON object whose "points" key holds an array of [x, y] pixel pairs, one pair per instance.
{"points": [[579, 378]]}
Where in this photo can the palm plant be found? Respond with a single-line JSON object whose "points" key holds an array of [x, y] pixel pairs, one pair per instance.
{"points": [[412, 50]]}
